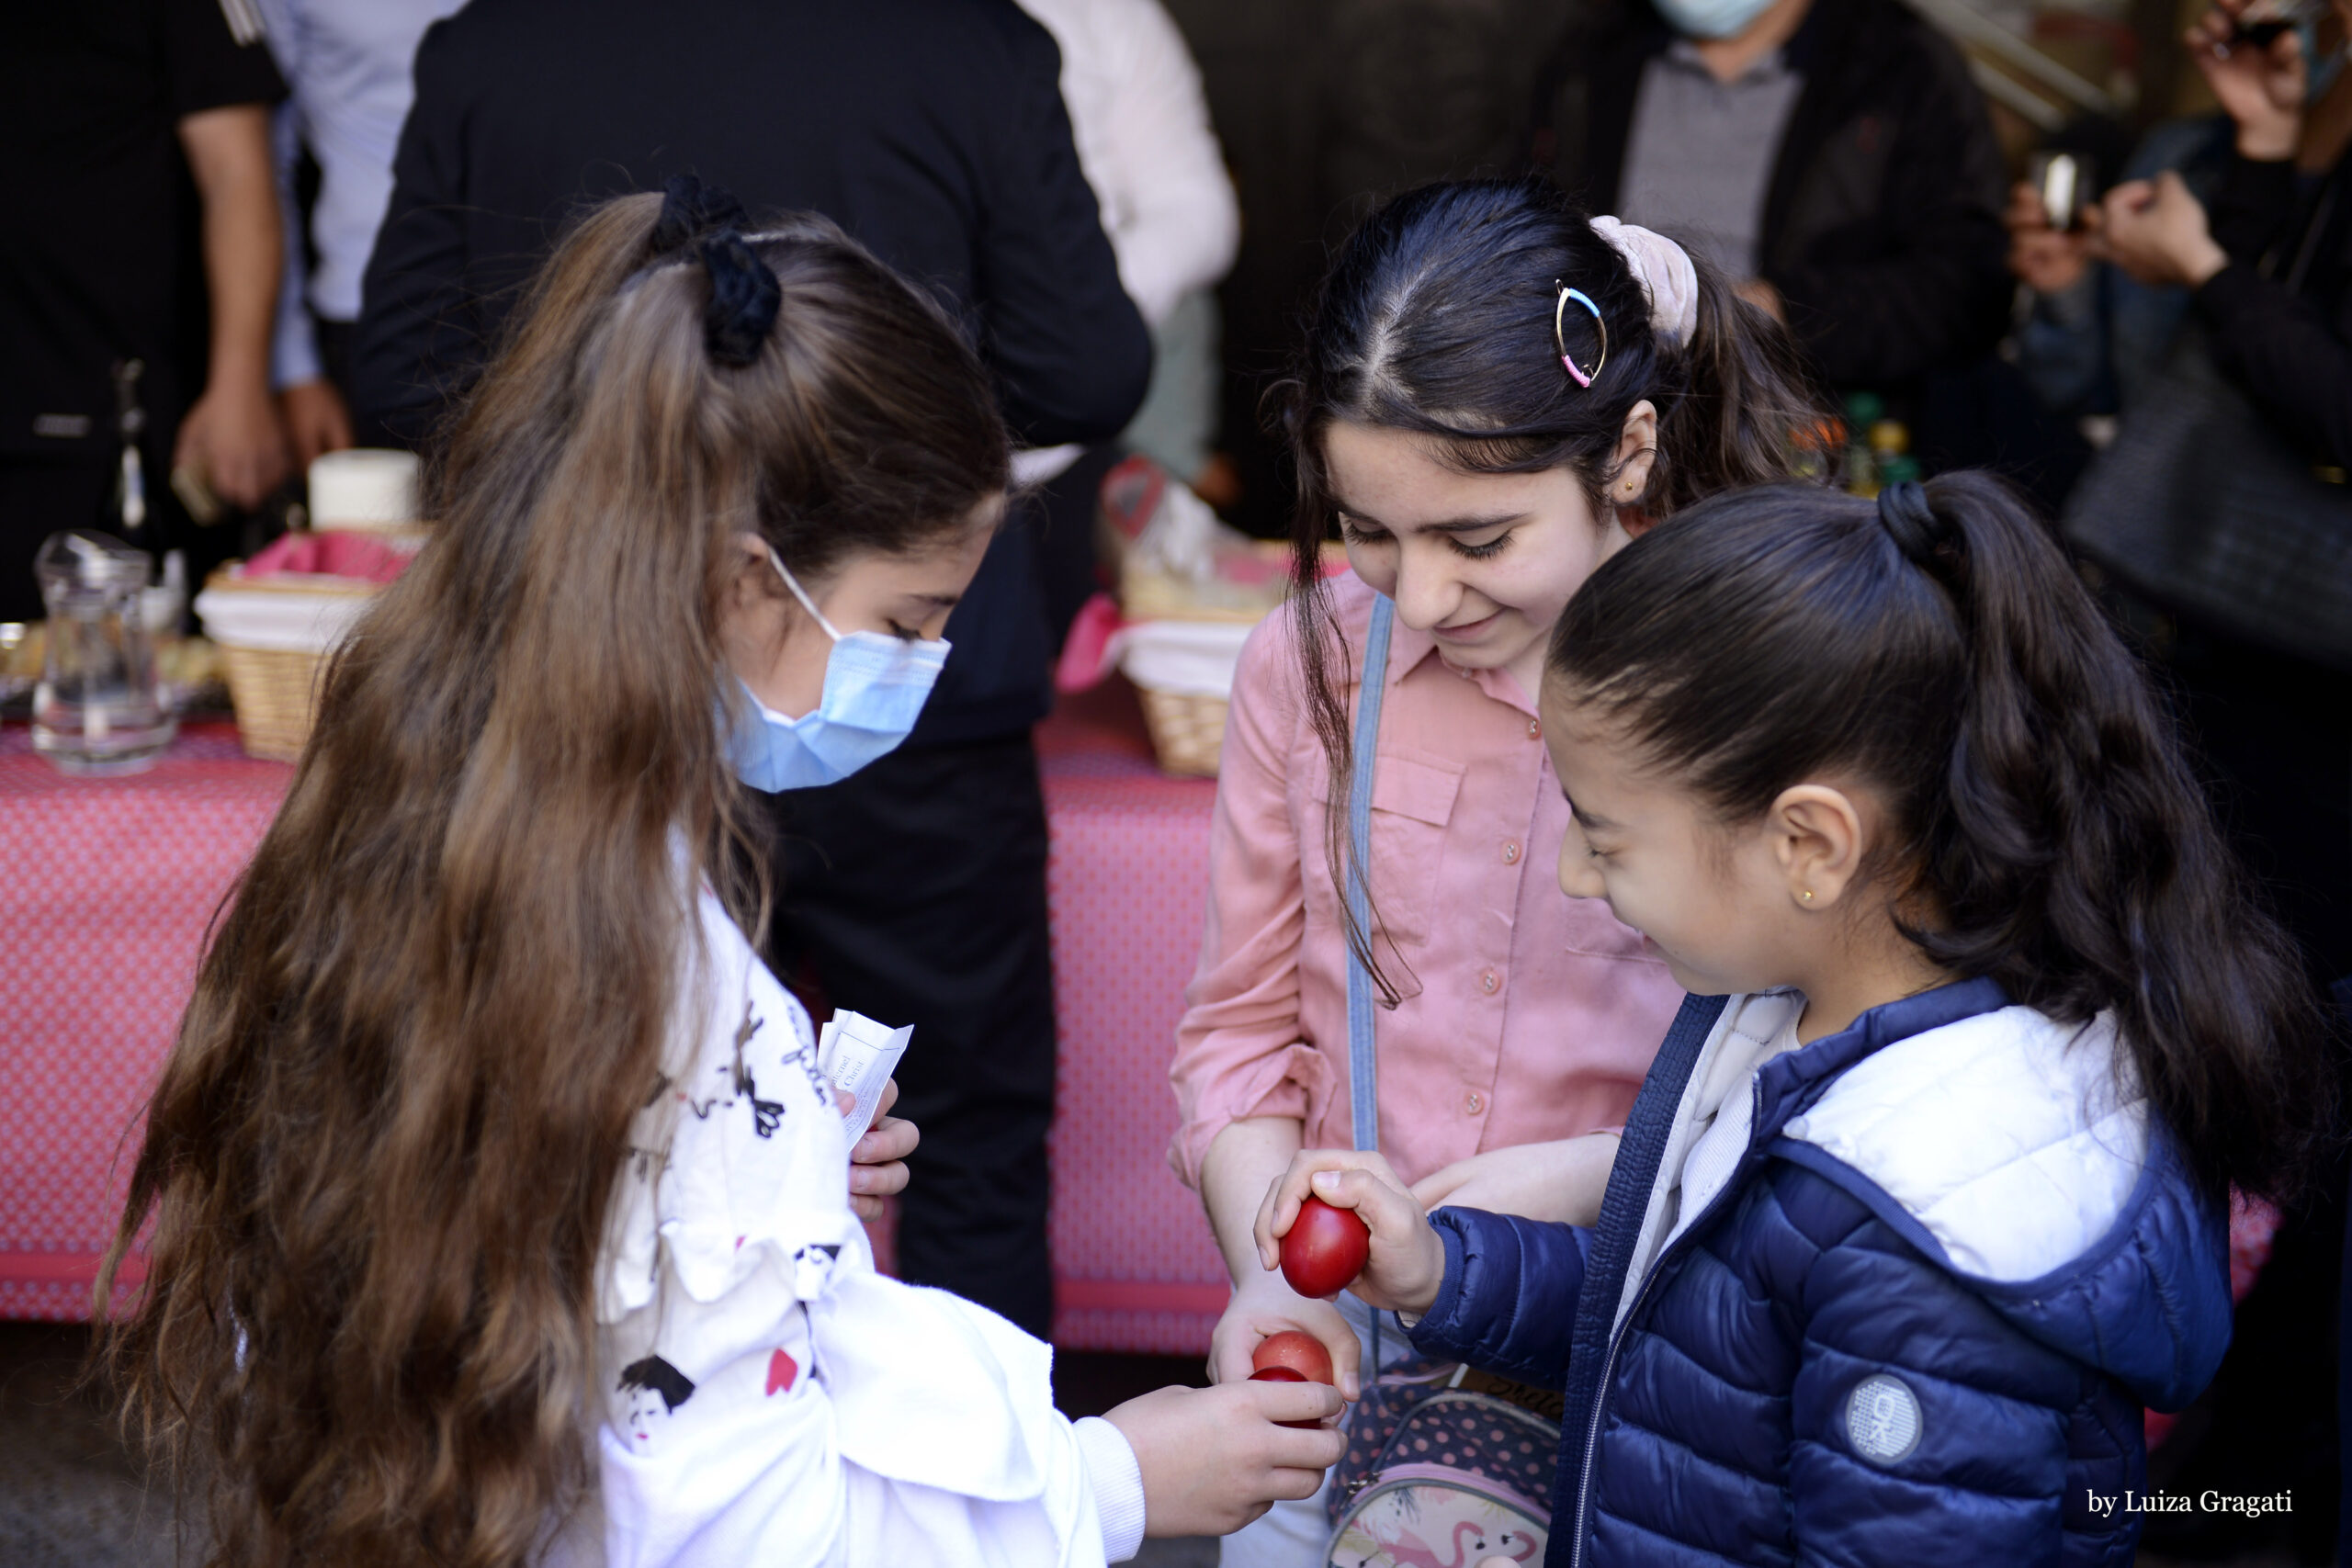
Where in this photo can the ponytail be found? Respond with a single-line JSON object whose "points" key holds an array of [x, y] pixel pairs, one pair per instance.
{"points": [[1437, 317], [1743, 413], [2048, 832]]}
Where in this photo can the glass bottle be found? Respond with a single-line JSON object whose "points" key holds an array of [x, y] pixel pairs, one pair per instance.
{"points": [[98, 709]]}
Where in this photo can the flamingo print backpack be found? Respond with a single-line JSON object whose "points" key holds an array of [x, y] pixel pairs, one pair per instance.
{"points": [[1446, 1467]]}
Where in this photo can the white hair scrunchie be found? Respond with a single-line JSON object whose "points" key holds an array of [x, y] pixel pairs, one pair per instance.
{"points": [[1666, 274]]}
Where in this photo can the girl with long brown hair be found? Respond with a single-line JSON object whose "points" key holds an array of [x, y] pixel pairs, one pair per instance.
{"points": [[497, 1210]]}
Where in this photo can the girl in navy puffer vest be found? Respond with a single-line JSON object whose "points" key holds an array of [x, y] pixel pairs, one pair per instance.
{"points": [[1925, 1197]]}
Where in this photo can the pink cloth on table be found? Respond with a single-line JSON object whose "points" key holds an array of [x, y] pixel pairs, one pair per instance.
{"points": [[1086, 660], [329, 553], [1135, 1266], [109, 885], [1526, 1016]]}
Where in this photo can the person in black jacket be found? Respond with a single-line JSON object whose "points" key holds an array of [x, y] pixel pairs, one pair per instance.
{"points": [[137, 276], [934, 131], [2271, 264], [2270, 268], [1832, 153]]}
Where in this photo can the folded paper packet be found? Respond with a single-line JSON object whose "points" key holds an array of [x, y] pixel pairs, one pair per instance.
{"points": [[859, 1055]]}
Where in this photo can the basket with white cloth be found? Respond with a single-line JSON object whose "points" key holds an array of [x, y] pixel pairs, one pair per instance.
{"points": [[1183, 671], [278, 617], [1191, 590]]}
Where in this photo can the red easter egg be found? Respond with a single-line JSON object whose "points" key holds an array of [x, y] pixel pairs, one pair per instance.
{"points": [[1326, 1249], [1292, 1356]]}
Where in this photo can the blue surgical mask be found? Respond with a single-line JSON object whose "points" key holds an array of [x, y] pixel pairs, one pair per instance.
{"points": [[875, 689], [1711, 18]]}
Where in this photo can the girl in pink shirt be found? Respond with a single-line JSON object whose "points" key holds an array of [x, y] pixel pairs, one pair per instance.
{"points": [[1496, 393]]}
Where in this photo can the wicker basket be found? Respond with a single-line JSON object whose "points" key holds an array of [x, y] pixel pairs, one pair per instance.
{"points": [[274, 690], [1188, 732], [1187, 727], [275, 694]]}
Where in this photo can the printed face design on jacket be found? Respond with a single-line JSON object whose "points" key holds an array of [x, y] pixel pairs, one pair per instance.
{"points": [[656, 1389], [811, 1267]]}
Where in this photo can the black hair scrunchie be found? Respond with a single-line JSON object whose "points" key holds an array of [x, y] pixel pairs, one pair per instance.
{"points": [[691, 210], [1905, 513], [744, 299]]}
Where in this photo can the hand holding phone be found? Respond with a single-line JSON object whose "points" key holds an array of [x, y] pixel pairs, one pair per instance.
{"points": [[2249, 55]]}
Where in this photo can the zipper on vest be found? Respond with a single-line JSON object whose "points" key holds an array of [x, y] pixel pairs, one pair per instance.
{"points": [[1641, 1299]]}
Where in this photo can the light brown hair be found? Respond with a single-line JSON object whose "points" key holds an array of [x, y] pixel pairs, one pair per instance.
{"points": [[377, 1165]]}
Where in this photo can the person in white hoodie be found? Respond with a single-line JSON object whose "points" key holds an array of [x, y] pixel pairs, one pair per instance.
{"points": [[1146, 147], [498, 1204]]}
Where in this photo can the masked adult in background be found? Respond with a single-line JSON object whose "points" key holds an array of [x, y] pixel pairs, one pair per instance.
{"points": [[137, 270], [2269, 265], [1831, 154], [933, 132]]}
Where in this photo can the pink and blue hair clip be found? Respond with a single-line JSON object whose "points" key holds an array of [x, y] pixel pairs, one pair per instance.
{"points": [[1559, 335]]}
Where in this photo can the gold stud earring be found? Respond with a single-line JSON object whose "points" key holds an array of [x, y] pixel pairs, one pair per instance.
{"points": [[1807, 894]]}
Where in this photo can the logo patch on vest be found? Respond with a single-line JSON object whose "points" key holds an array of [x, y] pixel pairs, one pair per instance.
{"points": [[1882, 1419]]}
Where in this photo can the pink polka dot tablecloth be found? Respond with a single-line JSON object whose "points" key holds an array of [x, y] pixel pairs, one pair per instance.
{"points": [[1135, 1266], [107, 887]]}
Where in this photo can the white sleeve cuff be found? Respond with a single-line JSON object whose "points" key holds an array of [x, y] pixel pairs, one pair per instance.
{"points": [[1117, 1480], [294, 353]]}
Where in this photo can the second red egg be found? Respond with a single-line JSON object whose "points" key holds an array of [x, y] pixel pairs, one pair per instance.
{"points": [[1290, 1354]]}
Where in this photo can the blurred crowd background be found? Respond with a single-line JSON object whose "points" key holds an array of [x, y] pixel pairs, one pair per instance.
{"points": [[1317, 109]]}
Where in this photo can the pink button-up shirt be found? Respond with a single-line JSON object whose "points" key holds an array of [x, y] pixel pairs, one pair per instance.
{"points": [[1527, 1015]]}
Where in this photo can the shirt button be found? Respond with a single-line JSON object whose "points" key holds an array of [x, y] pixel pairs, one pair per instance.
{"points": [[1489, 982], [1510, 852], [1473, 1102], [1535, 730]]}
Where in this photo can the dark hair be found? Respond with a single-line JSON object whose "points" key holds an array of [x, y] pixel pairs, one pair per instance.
{"points": [[655, 1375], [1437, 318], [2048, 831], [379, 1161]]}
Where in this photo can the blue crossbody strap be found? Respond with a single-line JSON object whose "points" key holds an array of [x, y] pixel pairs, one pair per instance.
{"points": [[1363, 1077]]}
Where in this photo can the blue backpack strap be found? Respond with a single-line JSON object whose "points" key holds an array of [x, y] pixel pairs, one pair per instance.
{"points": [[1364, 1073], [1363, 1077]]}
